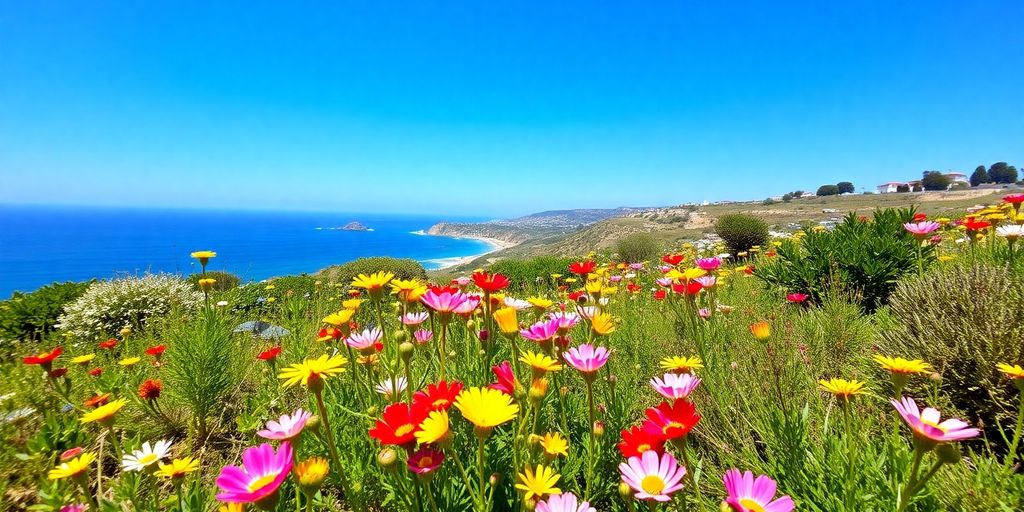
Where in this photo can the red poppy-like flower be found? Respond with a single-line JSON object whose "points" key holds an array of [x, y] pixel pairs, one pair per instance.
{"points": [[673, 259], [490, 282], [1014, 199], [57, 373], [748, 270], [97, 400], [399, 424], [972, 224], [506, 378], [44, 359], [437, 396], [796, 298], [109, 344], [771, 253], [582, 267], [918, 217], [353, 293], [659, 295], [95, 372], [328, 334], [71, 453], [156, 351], [578, 295], [671, 421], [151, 389], [636, 441], [634, 288], [269, 354], [691, 288]]}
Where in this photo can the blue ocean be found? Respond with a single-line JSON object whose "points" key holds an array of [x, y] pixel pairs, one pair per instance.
{"points": [[42, 244]]}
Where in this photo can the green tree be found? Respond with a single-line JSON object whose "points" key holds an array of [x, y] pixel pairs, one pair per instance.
{"points": [[637, 247], [935, 180], [741, 232], [980, 176], [903, 188], [1002, 173], [828, 190], [845, 187]]}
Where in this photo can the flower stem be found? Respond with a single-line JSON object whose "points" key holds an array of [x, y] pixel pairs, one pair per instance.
{"points": [[483, 477], [912, 480], [462, 472], [329, 435], [1012, 455], [591, 456]]}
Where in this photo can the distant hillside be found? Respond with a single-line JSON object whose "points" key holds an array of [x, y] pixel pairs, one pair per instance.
{"points": [[533, 226]]}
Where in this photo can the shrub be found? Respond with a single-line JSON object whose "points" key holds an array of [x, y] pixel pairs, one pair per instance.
{"points": [[827, 190], [858, 259], [108, 306], [224, 280], [526, 272], [963, 319], [934, 180], [741, 232], [31, 316], [637, 247], [845, 187], [403, 268], [903, 188]]}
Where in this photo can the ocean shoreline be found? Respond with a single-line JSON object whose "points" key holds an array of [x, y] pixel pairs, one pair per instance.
{"points": [[454, 261]]}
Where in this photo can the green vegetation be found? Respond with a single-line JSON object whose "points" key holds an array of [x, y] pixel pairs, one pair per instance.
{"points": [[33, 316], [741, 232], [637, 247], [403, 268], [224, 280]]}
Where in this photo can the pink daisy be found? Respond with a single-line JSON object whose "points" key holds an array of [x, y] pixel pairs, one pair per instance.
{"points": [[443, 301], [586, 358], [414, 319], [541, 331], [468, 306], [746, 494], [920, 229], [366, 340], [566, 502], [675, 386], [709, 263], [286, 427], [653, 478], [423, 336], [262, 472], [425, 460], [565, 320], [926, 426], [706, 281]]}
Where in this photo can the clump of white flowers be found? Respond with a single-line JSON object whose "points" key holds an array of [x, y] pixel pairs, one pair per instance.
{"points": [[109, 306]]}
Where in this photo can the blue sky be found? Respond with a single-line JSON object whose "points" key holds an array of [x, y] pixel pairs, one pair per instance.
{"points": [[496, 108]]}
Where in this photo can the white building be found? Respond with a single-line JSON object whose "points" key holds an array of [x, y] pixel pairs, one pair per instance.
{"points": [[888, 188]]}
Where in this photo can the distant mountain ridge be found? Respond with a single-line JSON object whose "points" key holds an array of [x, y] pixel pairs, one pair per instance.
{"points": [[534, 225]]}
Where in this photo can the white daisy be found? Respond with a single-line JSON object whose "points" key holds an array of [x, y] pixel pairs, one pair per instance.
{"points": [[146, 456]]}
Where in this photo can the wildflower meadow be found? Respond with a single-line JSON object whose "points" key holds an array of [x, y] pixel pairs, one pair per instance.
{"points": [[837, 369]]}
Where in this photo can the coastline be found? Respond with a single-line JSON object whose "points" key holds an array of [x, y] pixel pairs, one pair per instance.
{"points": [[443, 263]]}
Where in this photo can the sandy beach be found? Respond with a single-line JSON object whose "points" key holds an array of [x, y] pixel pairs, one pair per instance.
{"points": [[495, 245]]}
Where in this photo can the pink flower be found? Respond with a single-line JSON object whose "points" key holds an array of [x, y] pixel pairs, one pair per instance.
{"points": [[506, 378], [262, 472], [423, 336], [443, 301], [926, 427], [704, 313], [587, 312], [706, 281], [367, 340], [615, 278], [709, 263], [462, 281], [664, 282], [468, 306], [567, 502], [636, 266], [425, 460], [665, 268], [653, 478], [675, 386], [746, 494], [920, 229], [416, 318], [796, 298], [74, 508], [586, 358], [541, 331], [286, 427], [565, 320]]}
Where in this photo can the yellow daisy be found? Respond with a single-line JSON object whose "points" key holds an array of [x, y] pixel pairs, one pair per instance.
{"points": [[680, 364], [434, 429], [507, 321], [1015, 372], [842, 388], [541, 363], [540, 302], [104, 412], [311, 372], [373, 283], [538, 483], [553, 444], [901, 365], [72, 468], [603, 324], [486, 408], [177, 468], [129, 361], [408, 290], [84, 359], [311, 474]]}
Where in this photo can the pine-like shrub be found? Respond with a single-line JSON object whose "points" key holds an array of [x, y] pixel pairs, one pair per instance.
{"points": [[741, 232], [108, 306], [637, 247], [403, 268]]}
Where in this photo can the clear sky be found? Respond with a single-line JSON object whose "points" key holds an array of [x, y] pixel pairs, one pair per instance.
{"points": [[497, 108]]}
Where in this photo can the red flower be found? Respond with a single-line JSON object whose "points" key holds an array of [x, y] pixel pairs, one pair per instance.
{"points": [[659, 295], [269, 354], [577, 295], [490, 282], [918, 217], [633, 288], [156, 351], [582, 267], [796, 298], [636, 441], [97, 400], [95, 372], [1014, 199], [970, 224], [691, 288], [748, 270], [667, 421], [44, 359], [109, 344], [438, 289], [506, 378], [399, 424], [328, 334], [150, 389], [71, 453], [672, 259], [58, 372], [437, 396]]}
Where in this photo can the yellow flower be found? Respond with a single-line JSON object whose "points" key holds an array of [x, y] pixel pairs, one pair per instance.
{"points": [[679, 364], [675, 275], [540, 302], [761, 330], [204, 256], [352, 304], [570, 280], [1015, 372], [538, 388], [207, 283], [83, 359], [177, 468], [553, 444], [104, 412], [594, 287], [408, 290], [603, 324], [373, 282], [842, 388], [901, 365], [538, 483], [72, 468], [128, 361], [486, 408], [507, 321], [311, 372], [341, 318], [232, 507], [434, 429], [311, 474], [541, 363], [693, 273]]}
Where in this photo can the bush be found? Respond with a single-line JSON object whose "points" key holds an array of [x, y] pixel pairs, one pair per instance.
{"points": [[934, 180], [637, 247], [224, 280], [827, 190], [403, 268], [845, 187], [526, 272], [963, 319], [861, 260], [31, 316], [741, 232], [108, 306], [902, 188]]}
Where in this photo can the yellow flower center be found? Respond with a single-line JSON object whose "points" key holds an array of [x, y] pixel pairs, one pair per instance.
{"points": [[147, 459], [404, 430], [261, 482], [643, 448], [933, 424], [671, 426], [751, 505], [441, 402], [652, 484], [426, 461]]}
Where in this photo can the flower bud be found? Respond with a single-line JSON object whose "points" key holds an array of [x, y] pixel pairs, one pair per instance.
{"points": [[313, 423], [470, 325], [484, 335], [948, 453], [935, 377], [625, 491], [598, 428], [371, 410], [495, 479], [387, 458], [406, 350], [400, 335]]}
